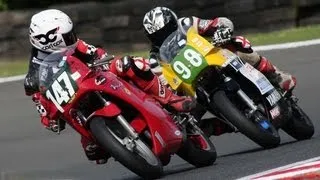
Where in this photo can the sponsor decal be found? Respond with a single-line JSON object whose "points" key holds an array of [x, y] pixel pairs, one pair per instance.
{"points": [[100, 80], [275, 112], [161, 90], [126, 90], [115, 85], [52, 45], [273, 98], [47, 38]]}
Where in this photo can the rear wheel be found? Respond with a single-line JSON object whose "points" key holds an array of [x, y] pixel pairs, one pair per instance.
{"points": [[133, 154], [299, 126], [260, 131], [198, 150]]}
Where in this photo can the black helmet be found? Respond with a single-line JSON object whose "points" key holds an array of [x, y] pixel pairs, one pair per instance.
{"points": [[159, 23]]}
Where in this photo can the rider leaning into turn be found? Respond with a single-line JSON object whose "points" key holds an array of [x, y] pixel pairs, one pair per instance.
{"points": [[52, 31], [160, 22]]}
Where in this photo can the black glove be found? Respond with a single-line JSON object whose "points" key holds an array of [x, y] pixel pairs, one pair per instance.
{"points": [[31, 84], [221, 36]]}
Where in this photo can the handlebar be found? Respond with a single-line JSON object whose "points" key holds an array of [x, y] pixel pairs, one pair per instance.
{"points": [[101, 62]]}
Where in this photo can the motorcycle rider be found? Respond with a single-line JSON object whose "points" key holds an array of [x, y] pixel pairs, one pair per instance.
{"points": [[51, 31], [160, 22]]}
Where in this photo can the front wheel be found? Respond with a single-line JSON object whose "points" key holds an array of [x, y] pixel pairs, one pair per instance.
{"points": [[198, 150], [136, 156], [299, 125], [262, 133]]}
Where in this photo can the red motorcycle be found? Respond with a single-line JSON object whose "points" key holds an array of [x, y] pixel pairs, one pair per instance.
{"points": [[127, 123]]}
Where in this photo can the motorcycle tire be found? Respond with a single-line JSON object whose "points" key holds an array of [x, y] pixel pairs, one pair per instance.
{"points": [[199, 152], [228, 110], [131, 160], [299, 125]]}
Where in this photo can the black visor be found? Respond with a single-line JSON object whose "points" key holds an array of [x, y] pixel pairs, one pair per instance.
{"points": [[70, 38], [159, 36]]}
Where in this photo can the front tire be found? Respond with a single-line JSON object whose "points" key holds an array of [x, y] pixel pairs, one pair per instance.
{"points": [[198, 150], [266, 139], [132, 160], [299, 125]]}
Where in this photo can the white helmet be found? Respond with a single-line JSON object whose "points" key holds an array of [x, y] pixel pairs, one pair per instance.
{"points": [[52, 30]]}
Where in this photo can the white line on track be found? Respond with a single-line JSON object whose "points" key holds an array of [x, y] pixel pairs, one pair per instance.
{"points": [[279, 168], [12, 78], [287, 45], [257, 48]]}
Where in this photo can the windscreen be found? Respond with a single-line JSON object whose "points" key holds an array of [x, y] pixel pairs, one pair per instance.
{"points": [[172, 45]]}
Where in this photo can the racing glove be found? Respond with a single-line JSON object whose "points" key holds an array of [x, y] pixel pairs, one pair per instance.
{"points": [[52, 125], [221, 36]]}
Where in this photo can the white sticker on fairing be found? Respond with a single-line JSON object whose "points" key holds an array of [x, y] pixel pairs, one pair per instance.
{"points": [[236, 64], [274, 97], [275, 112], [257, 78], [229, 56]]}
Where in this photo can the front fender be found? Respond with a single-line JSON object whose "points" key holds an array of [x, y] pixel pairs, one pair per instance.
{"points": [[109, 111]]}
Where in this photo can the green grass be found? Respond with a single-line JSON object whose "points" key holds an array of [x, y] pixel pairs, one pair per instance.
{"points": [[8, 68], [282, 36]]}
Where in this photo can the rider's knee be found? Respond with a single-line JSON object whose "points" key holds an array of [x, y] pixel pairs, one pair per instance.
{"points": [[134, 67], [252, 58]]}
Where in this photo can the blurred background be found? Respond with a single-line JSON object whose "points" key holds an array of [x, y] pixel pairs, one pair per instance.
{"points": [[117, 25]]}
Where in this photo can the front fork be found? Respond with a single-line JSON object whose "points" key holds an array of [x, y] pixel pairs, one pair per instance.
{"points": [[187, 123], [245, 98]]}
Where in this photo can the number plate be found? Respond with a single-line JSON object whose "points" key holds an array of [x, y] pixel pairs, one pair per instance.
{"points": [[188, 64], [62, 90]]}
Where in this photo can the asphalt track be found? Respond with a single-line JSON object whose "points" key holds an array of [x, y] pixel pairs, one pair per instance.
{"points": [[30, 152]]}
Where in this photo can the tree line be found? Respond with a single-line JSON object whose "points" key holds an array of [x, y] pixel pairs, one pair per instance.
{"points": [[27, 4]]}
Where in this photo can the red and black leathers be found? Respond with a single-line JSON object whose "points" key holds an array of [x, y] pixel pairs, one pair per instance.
{"points": [[136, 69]]}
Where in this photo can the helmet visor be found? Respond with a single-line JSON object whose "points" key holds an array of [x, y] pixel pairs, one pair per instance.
{"points": [[70, 38], [159, 36]]}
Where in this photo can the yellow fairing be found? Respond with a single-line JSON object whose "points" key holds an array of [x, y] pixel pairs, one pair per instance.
{"points": [[174, 81], [214, 57]]}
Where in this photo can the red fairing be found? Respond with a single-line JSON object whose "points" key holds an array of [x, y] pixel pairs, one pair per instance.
{"points": [[139, 124], [110, 110], [166, 137]]}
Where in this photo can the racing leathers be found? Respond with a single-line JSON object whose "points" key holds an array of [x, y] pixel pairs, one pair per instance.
{"points": [[220, 30], [135, 69]]}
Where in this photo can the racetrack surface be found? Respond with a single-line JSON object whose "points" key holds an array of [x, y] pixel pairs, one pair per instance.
{"points": [[30, 152]]}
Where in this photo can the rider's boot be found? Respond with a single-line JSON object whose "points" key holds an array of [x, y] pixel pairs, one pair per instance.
{"points": [[166, 97], [285, 81], [94, 152]]}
